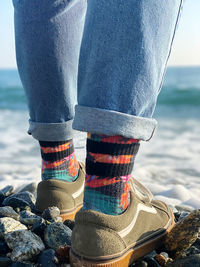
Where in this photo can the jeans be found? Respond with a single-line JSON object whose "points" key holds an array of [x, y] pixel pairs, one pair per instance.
{"points": [[95, 65]]}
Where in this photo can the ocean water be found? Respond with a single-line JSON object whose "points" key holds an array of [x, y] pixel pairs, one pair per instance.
{"points": [[168, 164]]}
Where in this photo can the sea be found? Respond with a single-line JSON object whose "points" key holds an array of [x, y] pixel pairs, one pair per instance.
{"points": [[169, 164]]}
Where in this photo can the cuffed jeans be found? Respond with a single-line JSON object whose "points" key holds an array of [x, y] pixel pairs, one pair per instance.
{"points": [[98, 71]]}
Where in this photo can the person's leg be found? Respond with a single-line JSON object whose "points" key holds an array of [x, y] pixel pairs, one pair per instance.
{"points": [[48, 35], [124, 52]]}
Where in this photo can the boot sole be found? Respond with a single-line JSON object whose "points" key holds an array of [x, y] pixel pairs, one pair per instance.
{"points": [[128, 257], [69, 215]]}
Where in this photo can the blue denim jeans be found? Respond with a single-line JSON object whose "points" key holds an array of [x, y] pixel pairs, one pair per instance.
{"points": [[98, 70]]}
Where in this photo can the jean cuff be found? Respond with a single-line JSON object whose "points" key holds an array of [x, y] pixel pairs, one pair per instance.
{"points": [[112, 122], [51, 131]]}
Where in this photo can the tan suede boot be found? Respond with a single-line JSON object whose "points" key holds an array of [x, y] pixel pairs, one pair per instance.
{"points": [[67, 196], [100, 240]]}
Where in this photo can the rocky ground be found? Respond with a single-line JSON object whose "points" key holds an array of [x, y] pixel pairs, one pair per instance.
{"points": [[27, 239]]}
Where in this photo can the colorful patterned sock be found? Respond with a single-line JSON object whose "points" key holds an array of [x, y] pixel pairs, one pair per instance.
{"points": [[59, 161], [109, 164]]}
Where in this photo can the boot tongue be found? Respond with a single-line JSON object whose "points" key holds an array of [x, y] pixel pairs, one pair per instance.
{"points": [[141, 191]]}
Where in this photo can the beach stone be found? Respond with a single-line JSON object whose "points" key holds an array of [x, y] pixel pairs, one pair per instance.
{"points": [[39, 228], [16, 203], [151, 262], [8, 212], [141, 264], [48, 258], [2, 197], [191, 261], [161, 259], [32, 187], [51, 213], [9, 225], [69, 223], [192, 250], [183, 215], [57, 235], [4, 249], [28, 217], [25, 196], [5, 261], [183, 235], [7, 190], [24, 244], [23, 264]]}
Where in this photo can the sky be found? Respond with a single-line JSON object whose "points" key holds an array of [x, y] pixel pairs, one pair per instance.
{"points": [[186, 47]]}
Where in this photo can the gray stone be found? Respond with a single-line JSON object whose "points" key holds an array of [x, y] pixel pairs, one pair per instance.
{"points": [[9, 212], [23, 264], [25, 196], [51, 213], [32, 187], [7, 190], [69, 223], [48, 258], [2, 197], [9, 225], [183, 215], [57, 235], [25, 245], [4, 249], [5, 261], [16, 203], [191, 261], [28, 217]]}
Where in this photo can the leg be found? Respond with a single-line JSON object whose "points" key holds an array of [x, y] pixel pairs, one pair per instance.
{"points": [[48, 37], [124, 53]]}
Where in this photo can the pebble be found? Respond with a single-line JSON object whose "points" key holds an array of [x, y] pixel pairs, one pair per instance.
{"points": [[183, 215], [57, 235], [161, 259], [2, 197], [28, 218], [4, 249], [48, 258], [191, 261], [183, 235], [51, 213], [5, 261], [9, 225], [16, 203], [7, 190], [8, 212], [151, 262], [69, 223], [141, 264], [39, 228], [25, 196], [32, 187], [24, 244]]}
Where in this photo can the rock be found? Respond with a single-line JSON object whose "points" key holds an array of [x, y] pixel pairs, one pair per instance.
{"points": [[39, 228], [24, 244], [191, 261], [48, 258], [141, 264], [183, 235], [151, 262], [69, 224], [8, 212], [32, 187], [183, 215], [16, 203], [51, 213], [161, 259], [25, 196], [57, 235], [28, 218], [4, 249], [192, 250], [7, 190], [20, 264], [9, 225], [5, 261], [2, 197]]}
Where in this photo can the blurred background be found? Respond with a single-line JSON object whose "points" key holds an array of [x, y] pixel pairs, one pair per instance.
{"points": [[168, 165]]}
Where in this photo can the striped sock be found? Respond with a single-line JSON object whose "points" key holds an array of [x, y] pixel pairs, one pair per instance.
{"points": [[109, 164], [59, 161]]}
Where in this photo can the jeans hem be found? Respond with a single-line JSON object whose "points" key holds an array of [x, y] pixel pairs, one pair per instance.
{"points": [[51, 131], [110, 122]]}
